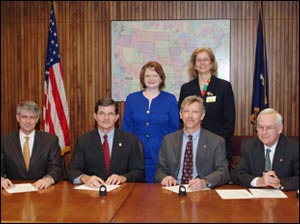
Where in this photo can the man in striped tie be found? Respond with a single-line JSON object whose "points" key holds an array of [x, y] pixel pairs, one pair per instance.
{"points": [[201, 153], [271, 159]]}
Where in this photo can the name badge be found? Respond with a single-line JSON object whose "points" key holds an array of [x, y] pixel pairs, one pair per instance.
{"points": [[211, 99]]}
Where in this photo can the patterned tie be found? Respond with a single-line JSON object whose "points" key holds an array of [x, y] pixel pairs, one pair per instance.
{"points": [[268, 161], [187, 172], [105, 146], [26, 152]]}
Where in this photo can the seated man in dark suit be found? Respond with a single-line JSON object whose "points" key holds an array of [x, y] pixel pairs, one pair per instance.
{"points": [[29, 154], [106, 155], [192, 155], [271, 159]]}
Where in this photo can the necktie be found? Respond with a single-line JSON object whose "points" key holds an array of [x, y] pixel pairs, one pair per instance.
{"points": [[26, 152], [187, 172], [268, 161], [105, 146]]}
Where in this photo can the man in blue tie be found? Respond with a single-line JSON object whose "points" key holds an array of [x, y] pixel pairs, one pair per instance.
{"points": [[192, 155], [271, 159]]}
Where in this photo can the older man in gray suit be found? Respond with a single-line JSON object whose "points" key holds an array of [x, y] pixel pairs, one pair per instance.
{"points": [[192, 155]]}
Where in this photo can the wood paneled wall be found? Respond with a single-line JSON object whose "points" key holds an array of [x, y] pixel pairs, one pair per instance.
{"points": [[84, 38]]}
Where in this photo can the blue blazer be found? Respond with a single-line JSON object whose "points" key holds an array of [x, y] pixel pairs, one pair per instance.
{"points": [[150, 125]]}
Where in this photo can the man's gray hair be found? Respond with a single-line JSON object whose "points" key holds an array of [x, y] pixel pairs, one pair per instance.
{"points": [[271, 111], [29, 106]]}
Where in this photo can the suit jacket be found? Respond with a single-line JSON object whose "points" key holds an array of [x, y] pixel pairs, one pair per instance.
{"points": [[126, 157], [45, 158], [285, 162], [220, 115], [211, 163]]}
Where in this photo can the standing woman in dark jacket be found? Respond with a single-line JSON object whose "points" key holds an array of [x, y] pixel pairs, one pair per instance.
{"points": [[217, 94]]}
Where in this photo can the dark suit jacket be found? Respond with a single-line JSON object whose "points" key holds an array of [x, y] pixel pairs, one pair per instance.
{"points": [[45, 158], [126, 157], [211, 163], [285, 162], [220, 115]]}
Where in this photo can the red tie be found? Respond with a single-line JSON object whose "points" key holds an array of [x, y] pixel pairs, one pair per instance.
{"points": [[106, 152], [187, 171]]}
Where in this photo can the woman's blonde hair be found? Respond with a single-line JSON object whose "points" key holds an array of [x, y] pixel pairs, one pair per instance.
{"points": [[192, 72]]}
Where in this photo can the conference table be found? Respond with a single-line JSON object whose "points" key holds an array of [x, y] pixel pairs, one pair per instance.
{"points": [[143, 202]]}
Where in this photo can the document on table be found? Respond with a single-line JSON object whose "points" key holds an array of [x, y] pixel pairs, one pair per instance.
{"points": [[108, 187], [188, 189], [19, 188], [254, 193], [234, 194], [267, 193]]}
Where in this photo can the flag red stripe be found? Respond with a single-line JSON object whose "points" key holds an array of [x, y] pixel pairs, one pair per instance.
{"points": [[58, 106], [49, 119]]}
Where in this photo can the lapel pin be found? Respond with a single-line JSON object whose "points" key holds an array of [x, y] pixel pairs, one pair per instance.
{"points": [[281, 160], [120, 144]]}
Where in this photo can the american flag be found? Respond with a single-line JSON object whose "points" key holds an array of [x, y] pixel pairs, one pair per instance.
{"points": [[55, 106]]}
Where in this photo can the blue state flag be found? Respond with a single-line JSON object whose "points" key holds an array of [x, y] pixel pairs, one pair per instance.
{"points": [[260, 95]]}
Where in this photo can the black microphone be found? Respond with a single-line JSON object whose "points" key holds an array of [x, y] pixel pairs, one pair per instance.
{"points": [[102, 190], [182, 190]]}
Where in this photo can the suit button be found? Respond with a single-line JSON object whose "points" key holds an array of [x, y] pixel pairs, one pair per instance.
{"points": [[147, 136], [147, 123]]}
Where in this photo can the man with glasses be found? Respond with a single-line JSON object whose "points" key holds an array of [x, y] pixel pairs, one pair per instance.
{"points": [[106, 155], [271, 159]]}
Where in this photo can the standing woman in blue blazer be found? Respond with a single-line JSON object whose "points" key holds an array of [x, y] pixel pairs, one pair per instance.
{"points": [[217, 94], [150, 114]]}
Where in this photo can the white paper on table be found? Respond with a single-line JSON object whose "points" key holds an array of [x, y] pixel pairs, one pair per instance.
{"points": [[19, 188], [267, 193], [188, 189], [108, 187], [234, 194]]}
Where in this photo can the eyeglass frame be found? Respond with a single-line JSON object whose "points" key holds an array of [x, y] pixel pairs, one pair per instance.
{"points": [[102, 114], [205, 60], [266, 128]]}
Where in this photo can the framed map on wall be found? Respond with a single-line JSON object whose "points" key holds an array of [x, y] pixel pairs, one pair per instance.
{"points": [[171, 43]]}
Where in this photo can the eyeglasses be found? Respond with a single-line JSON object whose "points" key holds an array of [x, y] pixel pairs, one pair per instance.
{"points": [[151, 76], [203, 60], [110, 114], [266, 128]]}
